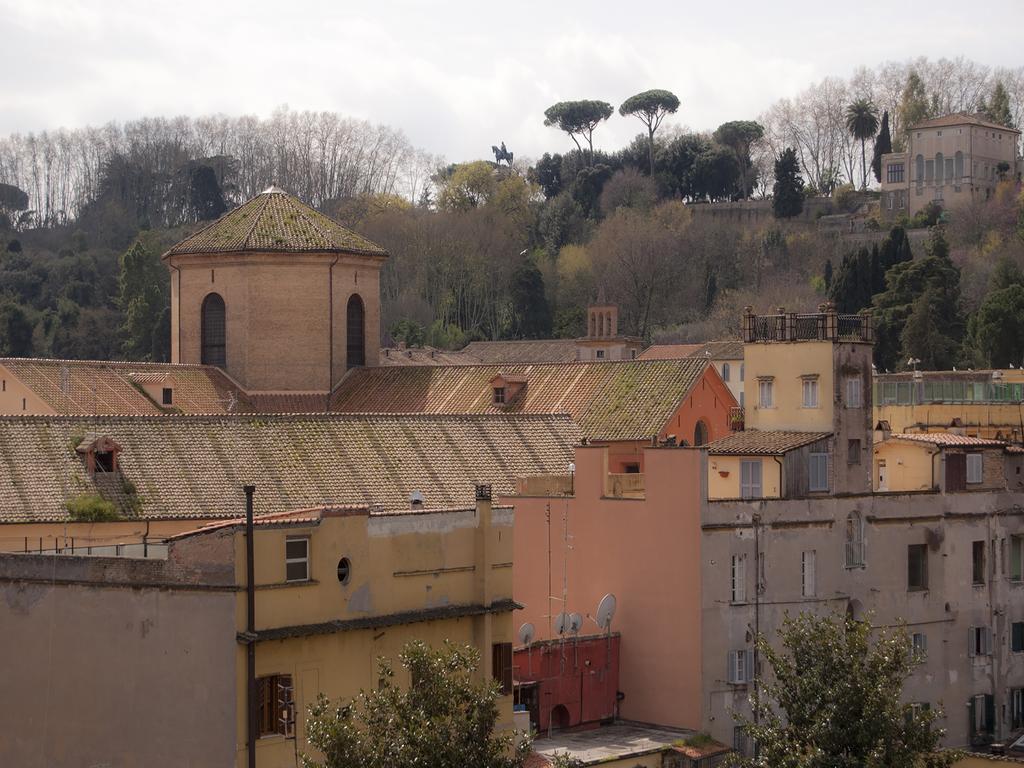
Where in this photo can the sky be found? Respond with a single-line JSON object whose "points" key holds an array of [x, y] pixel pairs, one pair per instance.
{"points": [[457, 77]]}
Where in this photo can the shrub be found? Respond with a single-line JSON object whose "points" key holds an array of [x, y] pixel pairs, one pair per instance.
{"points": [[91, 508]]}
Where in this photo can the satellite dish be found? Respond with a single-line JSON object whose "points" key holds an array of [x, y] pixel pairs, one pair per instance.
{"points": [[526, 633], [562, 623], [575, 623], [605, 611]]}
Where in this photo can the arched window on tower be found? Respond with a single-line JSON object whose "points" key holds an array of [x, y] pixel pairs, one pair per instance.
{"points": [[355, 325], [214, 332]]}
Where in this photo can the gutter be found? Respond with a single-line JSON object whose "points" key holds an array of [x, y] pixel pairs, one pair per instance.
{"points": [[330, 332]]}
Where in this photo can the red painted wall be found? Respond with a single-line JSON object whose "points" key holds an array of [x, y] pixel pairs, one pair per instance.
{"points": [[581, 675]]}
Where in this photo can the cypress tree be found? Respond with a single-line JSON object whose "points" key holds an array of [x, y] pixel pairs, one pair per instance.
{"points": [[883, 146], [788, 192]]}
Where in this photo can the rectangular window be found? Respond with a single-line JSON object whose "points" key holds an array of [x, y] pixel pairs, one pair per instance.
{"points": [[979, 641], [275, 701], [981, 711], [501, 666], [738, 579], [750, 479], [1017, 637], [974, 467], [499, 395], [854, 393], [167, 395], [765, 393], [818, 472], [296, 558], [919, 644], [810, 391], [853, 451], [1016, 707], [1016, 557], [739, 740], [600, 354], [978, 562], [807, 574], [741, 666], [894, 173], [917, 566]]}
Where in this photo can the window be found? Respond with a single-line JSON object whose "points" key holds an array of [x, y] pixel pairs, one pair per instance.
{"points": [[854, 392], [1017, 637], [979, 641], [807, 574], [978, 562], [344, 570], [818, 472], [1016, 557], [948, 171], [765, 393], [938, 166], [810, 393], [981, 711], [740, 741], [919, 169], [104, 461], [894, 173], [355, 333], [916, 710], [974, 466], [891, 200], [741, 666], [738, 579], [501, 666], [631, 469], [167, 395], [750, 479], [929, 170], [296, 558], [742, 371], [213, 331], [275, 699], [917, 567], [600, 354], [854, 540], [725, 371], [499, 395], [1016, 707], [958, 169], [919, 644], [853, 451], [700, 433]]}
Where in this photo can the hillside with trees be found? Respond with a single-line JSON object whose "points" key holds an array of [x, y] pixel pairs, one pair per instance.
{"points": [[517, 247]]}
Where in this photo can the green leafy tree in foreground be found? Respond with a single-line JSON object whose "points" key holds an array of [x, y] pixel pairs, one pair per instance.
{"points": [[650, 107], [833, 700], [788, 192], [446, 719]]}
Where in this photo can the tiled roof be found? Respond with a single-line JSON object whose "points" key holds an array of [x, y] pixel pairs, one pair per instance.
{"points": [[423, 356], [275, 221], [961, 118], [756, 442], [948, 439], [537, 351], [669, 351], [195, 466], [289, 402], [628, 400], [712, 350], [730, 349], [97, 387]]}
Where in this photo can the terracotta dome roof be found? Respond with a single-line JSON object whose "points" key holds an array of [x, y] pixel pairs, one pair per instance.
{"points": [[275, 221]]}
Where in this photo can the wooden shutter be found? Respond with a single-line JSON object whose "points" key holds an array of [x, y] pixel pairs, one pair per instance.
{"points": [[956, 472], [501, 666]]}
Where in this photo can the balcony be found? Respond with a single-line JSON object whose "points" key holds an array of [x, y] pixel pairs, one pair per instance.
{"points": [[824, 325]]}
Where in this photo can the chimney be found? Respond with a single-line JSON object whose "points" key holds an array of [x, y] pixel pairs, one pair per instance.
{"points": [[482, 571]]}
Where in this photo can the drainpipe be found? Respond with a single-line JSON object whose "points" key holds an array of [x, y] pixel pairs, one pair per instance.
{"points": [[250, 648], [330, 331], [178, 270], [757, 618]]}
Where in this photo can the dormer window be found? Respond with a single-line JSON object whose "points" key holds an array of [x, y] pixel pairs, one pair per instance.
{"points": [[167, 396], [506, 388], [101, 453], [499, 395]]}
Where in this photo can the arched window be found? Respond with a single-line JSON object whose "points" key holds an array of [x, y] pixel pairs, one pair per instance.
{"points": [[725, 372], [919, 169], [938, 166], [608, 325], [593, 324], [854, 540], [355, 329], [213, 331], [700, 433], [958, 170]]}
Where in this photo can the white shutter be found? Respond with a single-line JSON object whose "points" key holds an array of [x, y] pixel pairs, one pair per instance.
{"points": [[987, 640], [739, 579], [807, 566], [749, 666]]}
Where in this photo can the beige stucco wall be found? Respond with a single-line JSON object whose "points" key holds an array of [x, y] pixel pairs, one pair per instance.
{"points": [[16, 398], [786, 363], [908, 466], [724, 476], [278, 314]]}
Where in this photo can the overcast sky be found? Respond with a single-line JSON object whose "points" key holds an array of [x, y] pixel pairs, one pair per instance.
{"points": [[458, 76]]}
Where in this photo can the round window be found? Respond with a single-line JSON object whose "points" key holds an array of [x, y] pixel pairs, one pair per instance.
{"points": [[344, 570]]}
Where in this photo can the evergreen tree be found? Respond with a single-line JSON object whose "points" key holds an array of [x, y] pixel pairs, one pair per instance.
{"points": [[895, 250], [15, 331], [914, 106], [998, 107], [532, 316], [142, 300], [1006, 274], [828, 274], [883, 146], [996, 330], [788, 192]]}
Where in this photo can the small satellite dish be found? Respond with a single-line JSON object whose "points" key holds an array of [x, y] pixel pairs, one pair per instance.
{"points": [[526, 633], [605, 611], [575, 623], [562, 623]]}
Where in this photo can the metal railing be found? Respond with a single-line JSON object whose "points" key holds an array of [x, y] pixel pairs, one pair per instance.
{"points": [[826, 325]]}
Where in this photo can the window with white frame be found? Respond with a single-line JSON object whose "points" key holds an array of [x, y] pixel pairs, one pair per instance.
{"points": [[741, 666], [807, 573], [810, 392], [854, 392], [750, 479], [974, 468], [979, 641], [296, 558], [766, 393], [817, 472], [725, 372], [738, 579]]}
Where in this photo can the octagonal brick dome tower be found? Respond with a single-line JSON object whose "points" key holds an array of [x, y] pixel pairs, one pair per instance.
{"points": [[281, 297]]}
